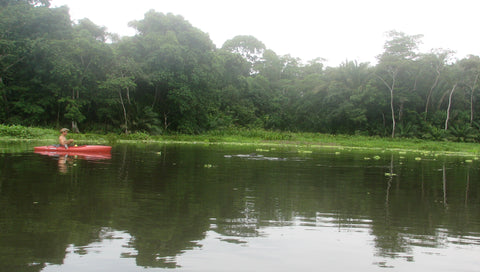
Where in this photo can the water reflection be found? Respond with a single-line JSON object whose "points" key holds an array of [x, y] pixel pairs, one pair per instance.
{"points": [[161, 207], [62, 163], [67, 160]]}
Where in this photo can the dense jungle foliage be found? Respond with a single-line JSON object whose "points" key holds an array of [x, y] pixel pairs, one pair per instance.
{"points": [[170, 77]]}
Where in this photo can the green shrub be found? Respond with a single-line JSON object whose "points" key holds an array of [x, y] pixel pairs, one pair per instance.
{"points": [[21, 132], [138, 136]]}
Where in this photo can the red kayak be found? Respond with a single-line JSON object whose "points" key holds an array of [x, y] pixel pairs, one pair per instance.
{"points": [[74, 149], [87, 152]]}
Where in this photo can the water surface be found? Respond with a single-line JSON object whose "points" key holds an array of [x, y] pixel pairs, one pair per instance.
{"points": [[155, 207]]}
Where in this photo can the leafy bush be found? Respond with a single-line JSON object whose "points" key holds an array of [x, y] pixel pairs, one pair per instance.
{"points": [[142, 136], [17, 131], [462, 133], [433, 133]]}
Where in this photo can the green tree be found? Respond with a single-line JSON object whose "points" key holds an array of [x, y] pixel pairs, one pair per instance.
{"points": [[345, 111], [399, 53], [249, 47], [25, 65], [432, 67], [79, 63], [121, 81], [235, 106], [179, 75], [14, 48]]}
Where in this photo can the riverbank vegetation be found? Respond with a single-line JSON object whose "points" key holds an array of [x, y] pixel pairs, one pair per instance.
{"points": [[257, 137], [169, 80]]}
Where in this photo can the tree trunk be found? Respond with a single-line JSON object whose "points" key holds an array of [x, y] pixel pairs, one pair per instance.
{"points": [[75, 95], [155, 97], [384, 124], [4, 95], [124, 111], [393, 112], [400, 111], [128, 96], [391, 87], [75, 127], [429, 96], [58, 114], [472, 88], [165, 117], [449, 105]]}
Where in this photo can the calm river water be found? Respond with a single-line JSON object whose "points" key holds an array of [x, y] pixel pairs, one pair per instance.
{"points": [[155, 207]]}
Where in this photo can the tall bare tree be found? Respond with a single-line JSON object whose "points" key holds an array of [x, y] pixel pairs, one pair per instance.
{"points": [[399, 52]]}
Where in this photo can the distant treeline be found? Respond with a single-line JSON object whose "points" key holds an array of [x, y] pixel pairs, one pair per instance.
{"points": [[171, 78]]}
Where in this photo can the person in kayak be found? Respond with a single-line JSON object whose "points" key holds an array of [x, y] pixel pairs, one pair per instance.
{"points": [[62, 139]]}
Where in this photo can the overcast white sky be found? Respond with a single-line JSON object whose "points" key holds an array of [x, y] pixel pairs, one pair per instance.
{"points": [[336, 30]]}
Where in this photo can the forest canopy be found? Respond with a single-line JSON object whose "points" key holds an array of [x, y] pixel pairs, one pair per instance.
{"points": [[170, 77]]}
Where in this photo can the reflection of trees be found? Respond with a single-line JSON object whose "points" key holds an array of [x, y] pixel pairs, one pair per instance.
{"points": [[162, 229], [467, 186], [26, 242], [245, 223], [390, 176], [444, 182], [388, 237], [415, 210], [163, 212], [167, 202]]}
